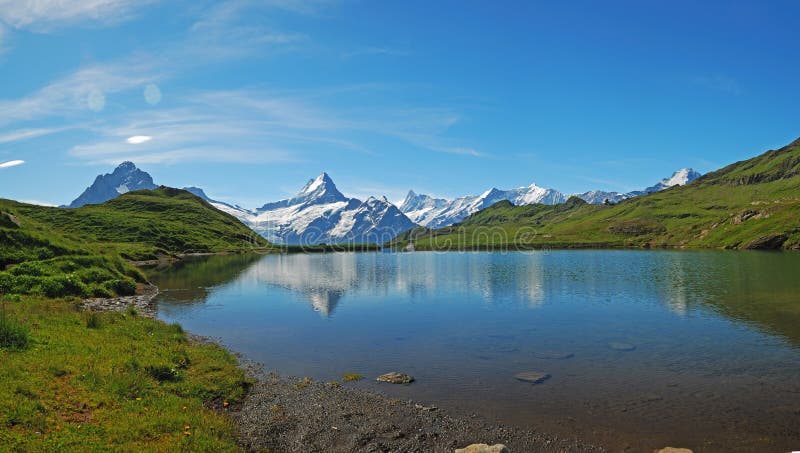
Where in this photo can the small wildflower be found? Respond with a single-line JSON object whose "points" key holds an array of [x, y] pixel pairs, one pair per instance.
{"points": [[184, 407], [225, 404], [187, 433], [138, 399]]}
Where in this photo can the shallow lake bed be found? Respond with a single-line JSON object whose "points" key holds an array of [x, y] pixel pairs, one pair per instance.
{"points": [[643, 349]]}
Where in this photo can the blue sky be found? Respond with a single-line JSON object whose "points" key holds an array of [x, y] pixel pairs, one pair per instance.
{"points": [[249, 99]]}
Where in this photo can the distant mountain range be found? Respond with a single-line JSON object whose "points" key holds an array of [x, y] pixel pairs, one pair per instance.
{"points": [[752, 204], [320, 213], [439, 212]]}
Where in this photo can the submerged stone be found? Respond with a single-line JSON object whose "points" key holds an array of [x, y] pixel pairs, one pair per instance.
{"points": [[395, 378], [553, 355], [533, 377], [620, 346]]}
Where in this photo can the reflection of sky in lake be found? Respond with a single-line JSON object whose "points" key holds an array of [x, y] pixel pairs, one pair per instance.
{"points": [[713, 331]]}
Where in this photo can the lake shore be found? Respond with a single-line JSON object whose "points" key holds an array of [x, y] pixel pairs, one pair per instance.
{"points": [[300, 415], [290, 414]]}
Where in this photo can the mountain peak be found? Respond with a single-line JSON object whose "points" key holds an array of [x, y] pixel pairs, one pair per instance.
{"points": [[681, 177], [125, 178], [197, 192], [313, 184], [323, 181], [318, 190], [126, 167]]}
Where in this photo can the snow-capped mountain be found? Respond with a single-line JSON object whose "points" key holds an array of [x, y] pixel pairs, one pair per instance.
{"points": [[125, 178], [234, 210], [600, 196], [319, 213], [439, 212], [679, 178]]}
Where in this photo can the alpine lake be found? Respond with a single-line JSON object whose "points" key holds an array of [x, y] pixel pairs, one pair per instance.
{"points": [[641, 349]]}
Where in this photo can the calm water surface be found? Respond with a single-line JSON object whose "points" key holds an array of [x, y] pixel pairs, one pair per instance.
{"points": [[715, 364]]}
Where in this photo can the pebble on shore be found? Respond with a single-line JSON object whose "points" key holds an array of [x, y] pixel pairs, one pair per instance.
{"points": [[484, 448]]}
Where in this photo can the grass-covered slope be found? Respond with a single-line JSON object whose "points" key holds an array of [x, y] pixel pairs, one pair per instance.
{"points": [[56, 252], [144, 223], [110, 382], [72, 380], [749, 204]]}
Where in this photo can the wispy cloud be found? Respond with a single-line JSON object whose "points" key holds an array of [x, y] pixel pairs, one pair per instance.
{"points": [[259, 127], [216, 36], [80, 91], [220, 33], [235, 125], [11, 163], [45, 15], [26, 134], [721, 83], [376, 51], [40, 203], [301, 6]]}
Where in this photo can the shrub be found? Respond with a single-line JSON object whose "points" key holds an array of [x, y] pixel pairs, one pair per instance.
{"points": [[102, 292], [121, 286], [163, 373], [13, 335], [62, 285], [93, 321], [181, 360]]}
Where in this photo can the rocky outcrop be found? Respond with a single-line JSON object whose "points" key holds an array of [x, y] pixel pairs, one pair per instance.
{"points": [[769, 242], [142, 302]]}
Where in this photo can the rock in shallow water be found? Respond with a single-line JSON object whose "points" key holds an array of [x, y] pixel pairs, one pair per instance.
{"points": [[533, 377], [484, 448], [553, 355], [673, 450], [619, 346], [395, 378]]}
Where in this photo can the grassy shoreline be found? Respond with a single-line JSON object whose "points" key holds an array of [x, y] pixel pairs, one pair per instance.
{"points": [[98, 381]]}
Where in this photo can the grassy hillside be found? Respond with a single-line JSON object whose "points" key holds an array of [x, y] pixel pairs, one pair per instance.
{"points": [[749, 204], [144, 223], [81, 252], [74, 380]]}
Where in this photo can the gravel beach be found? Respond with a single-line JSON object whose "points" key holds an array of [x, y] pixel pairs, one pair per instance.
{"points": [[283, 414]]}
